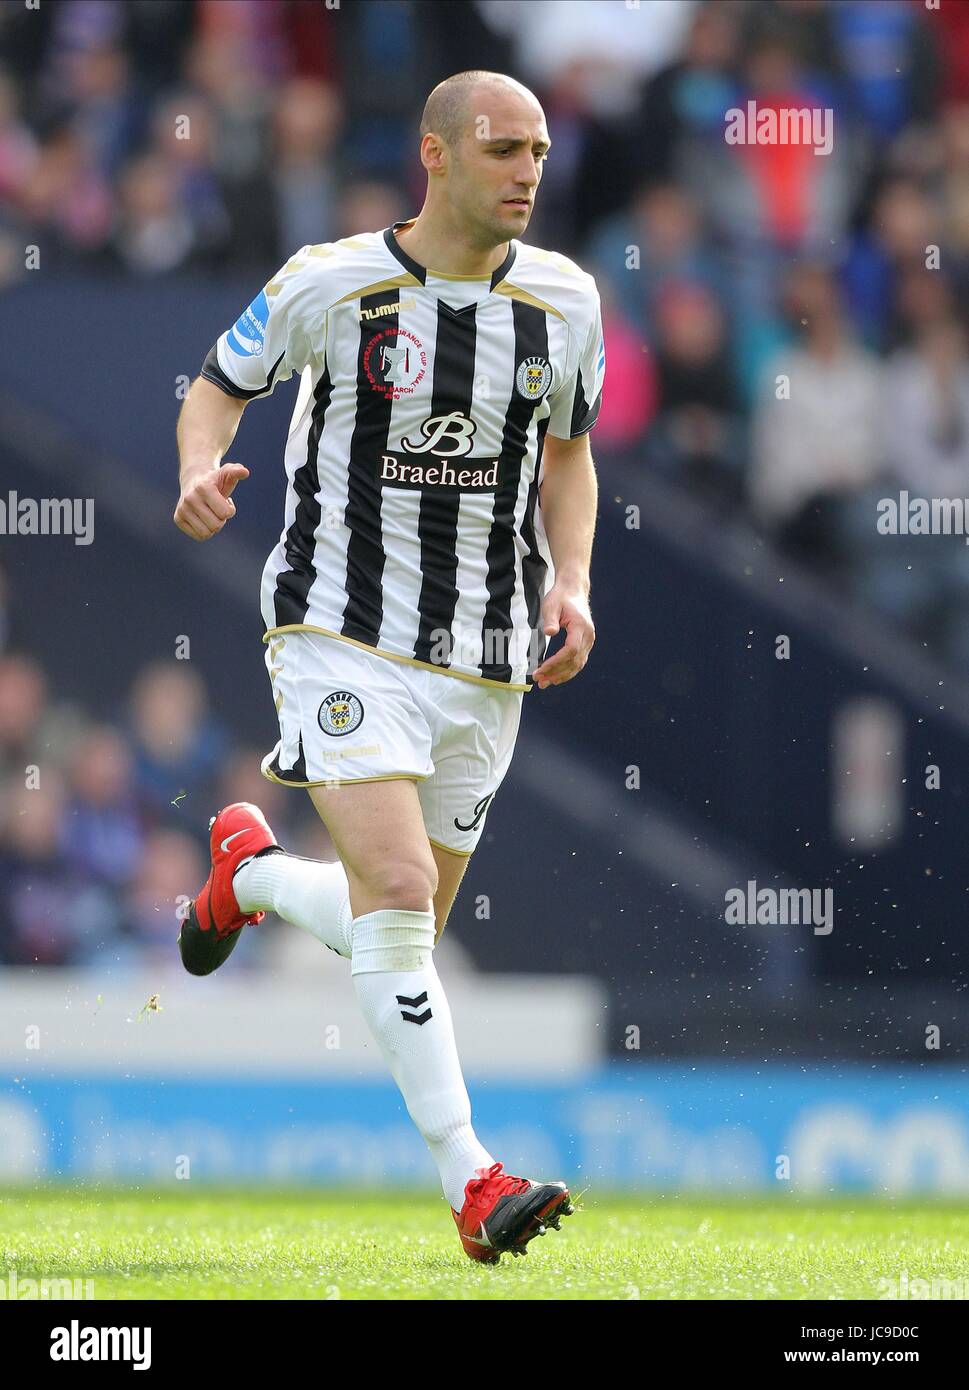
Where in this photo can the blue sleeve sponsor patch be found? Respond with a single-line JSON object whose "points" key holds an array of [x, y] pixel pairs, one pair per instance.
{"points": [[247, 336]]}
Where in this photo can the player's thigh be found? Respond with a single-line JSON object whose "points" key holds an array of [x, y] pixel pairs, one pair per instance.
{"points": [[450, 871], [475, 730], [378, 831]]}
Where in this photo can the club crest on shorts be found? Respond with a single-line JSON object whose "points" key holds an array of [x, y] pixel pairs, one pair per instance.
{"points": [[340, 713], [533, 378]]}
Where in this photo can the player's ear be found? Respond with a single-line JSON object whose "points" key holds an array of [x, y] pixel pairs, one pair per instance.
{"points": [[433, 152]]}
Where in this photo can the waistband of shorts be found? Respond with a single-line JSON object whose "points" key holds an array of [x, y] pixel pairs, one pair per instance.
{"points": [[394, 656]]}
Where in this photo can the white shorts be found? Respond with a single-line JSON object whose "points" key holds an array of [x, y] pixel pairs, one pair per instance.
{"points": [[346, 715]]}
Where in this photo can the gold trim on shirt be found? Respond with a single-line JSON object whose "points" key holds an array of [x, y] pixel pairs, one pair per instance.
{"points": [[443, 275], [345, 781], [461, 853], [395, 282], [394, 656], [516, 292]]}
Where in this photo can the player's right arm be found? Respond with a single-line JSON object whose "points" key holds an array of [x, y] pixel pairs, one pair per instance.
{"points": [[281, 332], [206, 427]]}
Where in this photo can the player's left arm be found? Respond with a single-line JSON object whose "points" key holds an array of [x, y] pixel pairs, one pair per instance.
{"points": [[568, 502], [569, 497]]}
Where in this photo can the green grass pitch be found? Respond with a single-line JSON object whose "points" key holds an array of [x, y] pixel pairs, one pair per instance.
{"points": [[194, 1242]]}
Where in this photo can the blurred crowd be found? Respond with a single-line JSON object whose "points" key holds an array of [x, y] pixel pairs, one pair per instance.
{"points": [[103, 815], [159, 136], [153, 136], [786, 331], [792, 346]]}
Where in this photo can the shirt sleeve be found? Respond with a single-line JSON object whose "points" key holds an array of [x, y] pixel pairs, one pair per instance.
{"points": [[268, 341], [575, 405]]}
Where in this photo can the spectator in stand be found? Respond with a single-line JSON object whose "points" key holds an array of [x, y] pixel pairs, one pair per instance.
{"points": [[52, 914], [766, 203], [23, 696], [179, 748], [18, 154], [156, 36], [291, 199], [256, 33], [378, 49], [107, 113], [74, 31], [889, 62], [924, 413], [953, 192], [184, 136], [154, 233], [18, 146], [807, 26], [697, 436], [34, 732], [67, 199], [685, 102], [920, 299], [923, 417], [165, 877], [369, 207], [657, 241], [815, 428], [952, 23], [306, 123], [101, 833], [240, 99], [901, 226], [629, 394]]}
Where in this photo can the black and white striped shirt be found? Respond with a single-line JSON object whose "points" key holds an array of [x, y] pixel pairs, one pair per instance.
{"points": [[413, 524]]}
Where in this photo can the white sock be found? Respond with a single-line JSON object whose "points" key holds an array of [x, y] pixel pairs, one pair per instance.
{"points": [[313, 895], [397, 985]]}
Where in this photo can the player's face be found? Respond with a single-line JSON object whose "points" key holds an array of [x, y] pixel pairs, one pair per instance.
{"points": [[495, 174]]}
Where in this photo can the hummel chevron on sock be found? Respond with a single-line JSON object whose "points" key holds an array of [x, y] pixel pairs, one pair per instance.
{"points": [[313, 895], [407, 1012]]}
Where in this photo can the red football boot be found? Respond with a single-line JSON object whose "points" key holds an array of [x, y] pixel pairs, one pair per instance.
{"points": [[502, 1213], [211, 928]]}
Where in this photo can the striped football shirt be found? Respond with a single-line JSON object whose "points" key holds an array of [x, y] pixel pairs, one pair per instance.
{"points": [[413, 520]]}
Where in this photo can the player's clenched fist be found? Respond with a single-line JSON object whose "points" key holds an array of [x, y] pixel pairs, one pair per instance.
{"points": [[206, 504]]}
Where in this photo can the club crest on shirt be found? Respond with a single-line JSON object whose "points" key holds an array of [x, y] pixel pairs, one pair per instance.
{"points": [[533, 378], [340, 713], [395, 362]]}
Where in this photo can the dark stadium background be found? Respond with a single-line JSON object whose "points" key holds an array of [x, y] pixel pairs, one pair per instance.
{"points": [[752, 262]]}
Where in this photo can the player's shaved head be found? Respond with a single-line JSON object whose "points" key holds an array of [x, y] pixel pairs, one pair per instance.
{"points": [[454, 105], [483, 144]]}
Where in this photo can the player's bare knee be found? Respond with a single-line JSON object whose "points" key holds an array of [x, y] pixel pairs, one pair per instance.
{"points": [[408, 886]]}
